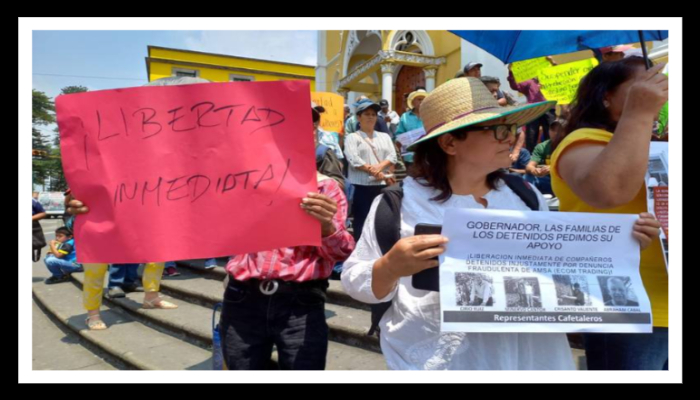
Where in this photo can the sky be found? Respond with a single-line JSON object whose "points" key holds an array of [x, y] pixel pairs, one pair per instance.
{"points": [[115, 59]]}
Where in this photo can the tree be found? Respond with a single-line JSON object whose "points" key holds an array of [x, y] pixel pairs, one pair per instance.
{"points": [[43, 113], [73, 89], [67, 90], [46, 162], [55, 171], [43, 109]]}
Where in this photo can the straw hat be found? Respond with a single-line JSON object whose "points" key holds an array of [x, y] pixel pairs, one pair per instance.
{"points": [[418, 93], [463, 102]]}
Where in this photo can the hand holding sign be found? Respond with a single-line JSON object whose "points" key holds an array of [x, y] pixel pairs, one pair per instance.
{"points": [[559, 83], [646, 230], [323, 208]]}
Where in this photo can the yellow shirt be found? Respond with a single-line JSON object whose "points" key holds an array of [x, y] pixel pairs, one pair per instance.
{"points": [[652, 268]]}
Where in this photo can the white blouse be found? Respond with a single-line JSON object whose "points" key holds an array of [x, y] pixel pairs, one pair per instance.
{"points": [[359, 151], [410, 329]]}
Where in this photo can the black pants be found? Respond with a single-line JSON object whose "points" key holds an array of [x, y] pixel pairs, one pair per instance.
{"points": [[293, 320], [361, 203], [627, 351]]}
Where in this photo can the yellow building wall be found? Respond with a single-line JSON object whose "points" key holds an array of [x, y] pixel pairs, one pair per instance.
{"points": [[449, 46], [227, 61], [332, 43], [161, 70]]}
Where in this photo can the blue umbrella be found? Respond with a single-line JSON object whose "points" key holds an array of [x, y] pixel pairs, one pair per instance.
{"points": [[511, 46]]}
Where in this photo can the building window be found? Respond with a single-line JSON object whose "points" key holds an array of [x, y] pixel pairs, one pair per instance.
{"points": [[180, 72], [240, 78]]}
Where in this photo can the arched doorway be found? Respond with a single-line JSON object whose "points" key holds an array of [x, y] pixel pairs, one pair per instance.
{"points": [[406, 82]]}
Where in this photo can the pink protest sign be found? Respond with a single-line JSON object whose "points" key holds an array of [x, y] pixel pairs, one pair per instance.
{"points": [[191, 171]]}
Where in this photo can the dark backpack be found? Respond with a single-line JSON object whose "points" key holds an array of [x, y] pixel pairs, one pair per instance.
{"points": [[387, 225]]}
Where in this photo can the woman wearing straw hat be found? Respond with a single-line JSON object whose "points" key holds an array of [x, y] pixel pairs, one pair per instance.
{"points": [[457, 164], [369, 153]]}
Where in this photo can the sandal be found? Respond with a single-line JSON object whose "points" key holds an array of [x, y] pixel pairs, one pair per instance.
{"points": [[158, 302], [95, 324]]}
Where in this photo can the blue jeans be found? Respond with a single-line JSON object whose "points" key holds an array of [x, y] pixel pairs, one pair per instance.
{"points": [[122, 275], [627, 351], [252, 322], [543, 184], [59, 268], [207, 263]]}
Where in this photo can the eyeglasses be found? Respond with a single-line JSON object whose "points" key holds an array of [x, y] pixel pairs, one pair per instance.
{"points": [[500, 132]]}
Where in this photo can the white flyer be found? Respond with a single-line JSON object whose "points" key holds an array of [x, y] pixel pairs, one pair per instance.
{"points": [[525, 271], [408, 138]]}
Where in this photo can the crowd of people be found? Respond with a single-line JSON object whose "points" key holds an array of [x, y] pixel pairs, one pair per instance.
{"points": [[476, 134]]}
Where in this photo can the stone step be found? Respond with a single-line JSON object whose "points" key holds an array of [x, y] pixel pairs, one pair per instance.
{"points": [[57, 348], [134, 344], [191, 325]]}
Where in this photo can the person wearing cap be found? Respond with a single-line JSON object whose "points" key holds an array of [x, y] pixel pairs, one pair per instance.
{"points": [[614, 53], [327, 163], [380, 126], [494, 85], [473, 69], [321, 136], [458, 164], [351, 123], [411, 120], [391, 118], [61, 260], [370, 155]]}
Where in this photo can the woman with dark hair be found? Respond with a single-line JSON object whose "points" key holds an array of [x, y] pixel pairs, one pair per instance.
{"points": [[457, 164], [599, 166], [370, 155]]}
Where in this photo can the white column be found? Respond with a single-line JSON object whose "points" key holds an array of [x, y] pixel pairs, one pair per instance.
{"points": [[430, 79], [351, 100], [388, 84], [322, 63]]}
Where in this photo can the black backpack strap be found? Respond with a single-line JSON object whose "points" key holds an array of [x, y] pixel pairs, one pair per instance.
{"points": [[387, 221], [387, 227], [524, 190]]}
